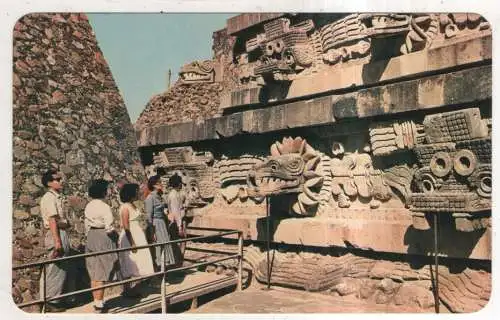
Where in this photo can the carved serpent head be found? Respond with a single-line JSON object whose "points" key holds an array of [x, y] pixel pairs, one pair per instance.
{"points": [[197, 71], [291, 168]]}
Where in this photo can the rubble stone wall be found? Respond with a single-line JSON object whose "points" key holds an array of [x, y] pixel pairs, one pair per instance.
{"points": [[67, 114]]}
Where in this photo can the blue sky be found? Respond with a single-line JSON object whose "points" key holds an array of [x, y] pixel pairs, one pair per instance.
{"points": [[140, 48]]}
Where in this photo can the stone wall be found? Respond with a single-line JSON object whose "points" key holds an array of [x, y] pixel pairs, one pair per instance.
{"points": [[68, 114], [360, 129], [199, 101], [403, 282]]}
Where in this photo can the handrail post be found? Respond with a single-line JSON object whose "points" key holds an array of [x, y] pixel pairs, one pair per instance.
{"points": [[240, 261], [436, 265], [44, 287], [163, 293]]}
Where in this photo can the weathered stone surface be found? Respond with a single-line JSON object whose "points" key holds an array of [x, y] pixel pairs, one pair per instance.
{"points": [[243, 21], [354, 233], [425, 93], [414, 295], [66, 103], [465, 86], [436, 58], [347, 287], [396, 111], [351, 275]]}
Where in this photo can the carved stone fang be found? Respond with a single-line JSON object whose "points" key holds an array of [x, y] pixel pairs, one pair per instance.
{"points": [[305, 200], [314, 182], [311, 174], [311, 194], [297, 208], [312, 163]]}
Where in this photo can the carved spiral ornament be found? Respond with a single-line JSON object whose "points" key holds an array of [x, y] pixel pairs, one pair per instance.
{"points": [[481, 180]]}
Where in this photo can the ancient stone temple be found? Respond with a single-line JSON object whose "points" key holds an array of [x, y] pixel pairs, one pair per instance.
{"points": [[357, 131], [68, 114]]}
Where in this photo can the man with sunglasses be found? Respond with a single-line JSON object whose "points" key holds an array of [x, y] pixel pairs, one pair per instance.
{"points": [[58, 275]]}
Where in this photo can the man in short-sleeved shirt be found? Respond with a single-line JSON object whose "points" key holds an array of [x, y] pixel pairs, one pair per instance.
{"points": [[51, 206], [59, 276]]}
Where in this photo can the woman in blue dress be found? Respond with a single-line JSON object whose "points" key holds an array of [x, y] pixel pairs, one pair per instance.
{"points": [[155, 212]]}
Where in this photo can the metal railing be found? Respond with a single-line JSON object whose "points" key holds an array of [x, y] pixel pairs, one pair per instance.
{"points": [[43, 265]]}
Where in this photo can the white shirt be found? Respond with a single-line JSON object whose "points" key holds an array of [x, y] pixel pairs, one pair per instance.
{"points": [[51, 206], [98, 215], [175, 204]]}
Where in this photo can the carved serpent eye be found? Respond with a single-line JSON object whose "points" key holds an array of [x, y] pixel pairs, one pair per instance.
{"points": [[289, 58], [274, 166]]}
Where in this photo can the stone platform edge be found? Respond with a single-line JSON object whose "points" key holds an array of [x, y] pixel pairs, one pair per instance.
{"points": [[363, 234]]}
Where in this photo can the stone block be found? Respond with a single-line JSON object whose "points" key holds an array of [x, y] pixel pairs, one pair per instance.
{"points": [[242, 21], [345, 106], [180, 132], [468, 85], [399, 97], [309, 112], [230, 125], [245, 96]]}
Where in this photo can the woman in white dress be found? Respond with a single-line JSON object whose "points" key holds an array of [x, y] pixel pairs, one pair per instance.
{"points": [[133, 263]]}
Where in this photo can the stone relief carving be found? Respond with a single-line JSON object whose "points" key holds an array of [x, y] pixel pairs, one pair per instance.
{"points": [[292, 46], [353, 175], [454, 23], [454, 165], [450, 171], [291, 168], [295, 167], [195, 168], [365, 278], [203, 177], [232, 177], [397, 136], [350, 37], [423, 29], [284, 49], [198, 71]]}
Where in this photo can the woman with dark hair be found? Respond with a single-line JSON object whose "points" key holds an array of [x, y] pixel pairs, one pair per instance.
{"points": [[176, 213], [101, 236], [155, 212], [133, 263]]}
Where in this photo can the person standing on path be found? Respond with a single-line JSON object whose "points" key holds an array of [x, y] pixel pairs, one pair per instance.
{"points": [[176, 212], [155, 212], [133, 263], [101, 236], [60, 277]]}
